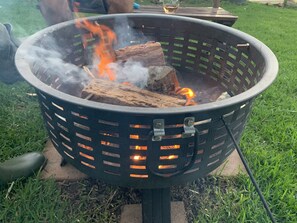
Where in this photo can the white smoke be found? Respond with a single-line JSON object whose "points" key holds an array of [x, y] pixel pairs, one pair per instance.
{"points": [[132, 72], [48, 64], [49, 57], [126, 34]]}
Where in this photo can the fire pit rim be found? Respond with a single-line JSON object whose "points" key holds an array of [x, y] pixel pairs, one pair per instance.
{"points": [[269, 75]]}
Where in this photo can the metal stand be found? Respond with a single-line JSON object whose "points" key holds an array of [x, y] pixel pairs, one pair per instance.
{"points": [[249, 173], [156, 206]]}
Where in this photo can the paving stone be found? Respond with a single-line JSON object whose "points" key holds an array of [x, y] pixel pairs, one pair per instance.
{"points": [[132, 213], [53, 168]]}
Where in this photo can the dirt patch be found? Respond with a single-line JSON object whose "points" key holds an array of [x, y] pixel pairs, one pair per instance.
{"points": [[99, 202]]}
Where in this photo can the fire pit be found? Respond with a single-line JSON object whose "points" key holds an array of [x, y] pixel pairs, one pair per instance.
{"points": [[152, 148]]}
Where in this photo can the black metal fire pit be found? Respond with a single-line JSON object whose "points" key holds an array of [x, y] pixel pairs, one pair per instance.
{"points": [[152, 148]]}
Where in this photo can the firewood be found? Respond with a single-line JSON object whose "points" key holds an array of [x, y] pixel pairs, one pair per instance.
{"points": [[105, 91], [149, 54], [162, 79]]}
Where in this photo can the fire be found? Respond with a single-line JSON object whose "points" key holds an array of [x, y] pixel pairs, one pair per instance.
{"points": [[105, 52], [138, 158], [188, 93], [104, 49]]}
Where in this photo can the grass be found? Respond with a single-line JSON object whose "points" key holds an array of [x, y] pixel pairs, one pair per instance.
{"points": [[269, 142]]}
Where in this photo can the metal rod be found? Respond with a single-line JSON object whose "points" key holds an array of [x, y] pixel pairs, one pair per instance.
{"points": [[156, 205], [250, 173]]}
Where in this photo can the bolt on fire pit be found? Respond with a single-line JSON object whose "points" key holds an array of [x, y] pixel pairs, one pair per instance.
{"points": [[152, 148]]}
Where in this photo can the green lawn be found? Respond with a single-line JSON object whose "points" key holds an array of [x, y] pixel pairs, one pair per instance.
{"points": [[269, 142]]}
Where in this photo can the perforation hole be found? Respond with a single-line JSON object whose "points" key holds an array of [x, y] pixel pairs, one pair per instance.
{"points": [[192, 170], [170, 147], [89, 148], [65, 137], [108, 163], [88, 165], [197, 161], [177, 136], [42, 95], [242, 114], [134, 137], [111, 134], [84, 127], [83, 136], [44, 105], [199, 152], [108, 122], [53, 134], [174, 126], [111, 173], [138, 148], [115, 155], [58, 106], [60, 117], [218, 145], [178, 45], [137, 167], [67, 154], [138, 175], [55, 143], [228, 114], [137, 158], [138, 126], [48, 116], [215, 154], [169, 157], [192, 48], [238, 126], [86, 156], [229, 152], [109, 144], [62, 127], [220, 136], [203, 122], [190, 61], [166, 167], [193, 41], [203, 132], [50, 125], [67, 147], [79, 115], [214, 162]]}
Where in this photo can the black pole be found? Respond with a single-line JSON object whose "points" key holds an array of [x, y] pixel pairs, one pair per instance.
{"points": [[156, 206], [250, 173]]}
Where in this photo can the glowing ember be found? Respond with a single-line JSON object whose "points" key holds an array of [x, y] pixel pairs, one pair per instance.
{"points": [[188, 93], [138, 157], [170, 157], [134, 136]]}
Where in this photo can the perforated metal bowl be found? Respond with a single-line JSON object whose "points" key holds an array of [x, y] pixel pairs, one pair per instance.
{"points": [[119, 144]]}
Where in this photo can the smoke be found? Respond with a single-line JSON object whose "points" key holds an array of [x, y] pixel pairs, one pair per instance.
{"points": [[48, 64], [126, 34], [132, 72]]}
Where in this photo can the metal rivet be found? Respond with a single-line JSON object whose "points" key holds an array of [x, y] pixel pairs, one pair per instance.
{"points": [[189, 122], [158, 125]]}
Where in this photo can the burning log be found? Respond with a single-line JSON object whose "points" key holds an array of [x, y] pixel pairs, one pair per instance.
{"points": [[110, 92], [149, 54], [162, 79]]}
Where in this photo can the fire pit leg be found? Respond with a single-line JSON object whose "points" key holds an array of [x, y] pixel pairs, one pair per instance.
{"points": [[156, 206]]}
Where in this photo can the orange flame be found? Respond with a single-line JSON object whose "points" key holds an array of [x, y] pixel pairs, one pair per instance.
{"points": [[188, 93], [104, 49]]}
